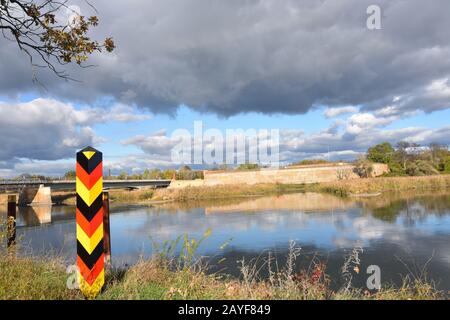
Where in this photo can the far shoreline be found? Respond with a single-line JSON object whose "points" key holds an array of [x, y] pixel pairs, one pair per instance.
{"points": [[368, 187]]}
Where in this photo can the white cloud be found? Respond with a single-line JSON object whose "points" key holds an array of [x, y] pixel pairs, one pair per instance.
{"points": [[439, 88], [46, 129], [334, 112], [42, 130], [157, 143]]}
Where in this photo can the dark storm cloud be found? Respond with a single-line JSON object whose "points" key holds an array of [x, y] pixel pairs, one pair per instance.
{"points": [[45, 129], [268, 56]]}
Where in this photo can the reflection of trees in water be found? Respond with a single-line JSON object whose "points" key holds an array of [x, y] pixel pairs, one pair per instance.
{"points": [[389, 213], [414, 210]]}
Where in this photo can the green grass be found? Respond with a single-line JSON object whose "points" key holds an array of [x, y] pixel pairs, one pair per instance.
{"points": [[35, 279], [30, 279]]}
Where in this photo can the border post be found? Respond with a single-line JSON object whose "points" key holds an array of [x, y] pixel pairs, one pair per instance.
{"points": [[89, 218]]}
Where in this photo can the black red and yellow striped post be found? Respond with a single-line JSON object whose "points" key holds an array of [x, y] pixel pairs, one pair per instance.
{"points": [[89, 218]]}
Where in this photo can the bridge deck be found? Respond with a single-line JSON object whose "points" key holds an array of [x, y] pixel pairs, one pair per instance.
{"points": [[70, 184]]}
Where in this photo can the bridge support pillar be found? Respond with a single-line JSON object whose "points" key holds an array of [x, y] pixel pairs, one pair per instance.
{"points": [[35, 196]]}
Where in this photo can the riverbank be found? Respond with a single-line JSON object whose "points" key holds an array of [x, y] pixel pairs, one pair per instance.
{"points": [[153, 196], [385, 184], [34, 279], [361, 187]]}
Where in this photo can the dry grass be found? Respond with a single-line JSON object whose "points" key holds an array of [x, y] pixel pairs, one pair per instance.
{"points": [[32, 279], [384, 184], [190, 193], [157, 279], [225, 191], [167, 277], [126, 196]]}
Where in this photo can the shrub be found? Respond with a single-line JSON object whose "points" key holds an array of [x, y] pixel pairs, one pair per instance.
{"points": [[381, 153], [364, 168], [420, 168], [248, 166], [447, 165], [310, 162], [396, 169]]}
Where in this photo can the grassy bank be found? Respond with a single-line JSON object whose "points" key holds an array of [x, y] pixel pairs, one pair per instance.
{"points": [[28, 278], [384, 184], [187, 194], [185, 276], [226, 191], [33, 279], [341, 188]]}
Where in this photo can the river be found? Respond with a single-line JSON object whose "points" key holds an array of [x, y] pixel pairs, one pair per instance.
{"points": [[403, 234]]}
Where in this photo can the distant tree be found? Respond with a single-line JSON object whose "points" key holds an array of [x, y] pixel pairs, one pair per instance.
{"points": [[153, 174], [310, 162], [186, 173], [401, 154], [396, 169], [439, 154], [33, 26], [123, 175], [421, 168], [248, 166], [70, 175], [411, 159], [381, 153], [168, 174], [363, 167], [446, 166], [24, 176], [438, 151]]}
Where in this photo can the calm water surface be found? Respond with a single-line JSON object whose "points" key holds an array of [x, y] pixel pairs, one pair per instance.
{"points": [[400, 233]]}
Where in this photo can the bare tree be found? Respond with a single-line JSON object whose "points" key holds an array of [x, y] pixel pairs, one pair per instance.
{"points": [[34, 26]]}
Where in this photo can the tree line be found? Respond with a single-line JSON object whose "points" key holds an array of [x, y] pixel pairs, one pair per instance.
{"points": [[410, 159], [183, 173]]}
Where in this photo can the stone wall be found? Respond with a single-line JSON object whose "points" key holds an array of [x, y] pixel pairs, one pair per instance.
{"points": [[306, 175], [180, 184]]}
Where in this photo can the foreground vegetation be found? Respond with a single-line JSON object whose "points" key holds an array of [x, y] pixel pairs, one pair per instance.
{"points": [[175, 271], [157, 279]]}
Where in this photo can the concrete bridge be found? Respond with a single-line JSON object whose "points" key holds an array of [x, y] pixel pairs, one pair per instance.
{"points": [[39, 192], [69, 185]]}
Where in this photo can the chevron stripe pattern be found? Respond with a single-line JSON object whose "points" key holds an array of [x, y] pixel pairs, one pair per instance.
{"points": [[89, 218]]}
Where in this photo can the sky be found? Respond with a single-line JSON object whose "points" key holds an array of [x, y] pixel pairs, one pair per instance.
{"points": [[311, 69]]}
